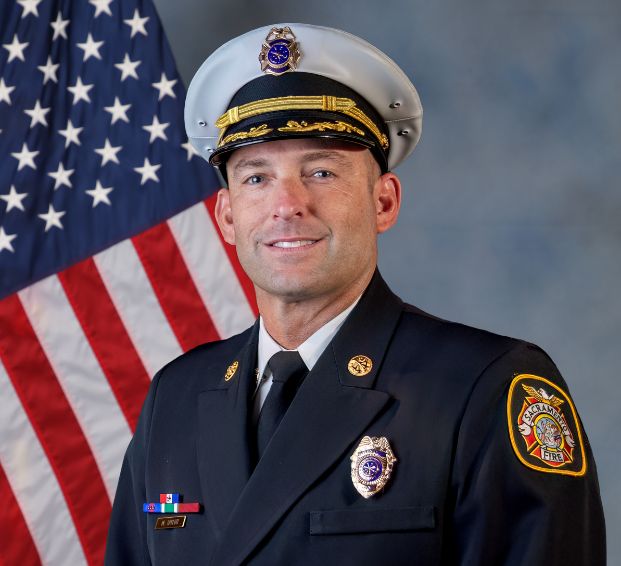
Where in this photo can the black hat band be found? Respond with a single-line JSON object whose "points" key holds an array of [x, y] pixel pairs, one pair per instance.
{"points": [[325, 103]]}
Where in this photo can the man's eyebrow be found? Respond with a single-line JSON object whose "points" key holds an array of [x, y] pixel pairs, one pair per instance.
{"points": [[326, 154], [249, 163]]}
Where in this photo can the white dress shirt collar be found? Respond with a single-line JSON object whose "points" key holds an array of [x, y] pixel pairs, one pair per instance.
{"points": [[310, 350]]}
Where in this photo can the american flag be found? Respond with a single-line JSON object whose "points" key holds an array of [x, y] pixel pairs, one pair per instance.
{"points": [[110, 261]]}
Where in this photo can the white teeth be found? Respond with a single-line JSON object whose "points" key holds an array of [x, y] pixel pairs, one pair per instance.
{"points": [[297, 244]]}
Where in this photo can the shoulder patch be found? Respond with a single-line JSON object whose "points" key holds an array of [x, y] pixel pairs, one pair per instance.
{"points": [[543, 427]]}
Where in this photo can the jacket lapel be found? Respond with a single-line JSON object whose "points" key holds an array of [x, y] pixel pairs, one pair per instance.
{"points": [[327, 417], [223, 453]]}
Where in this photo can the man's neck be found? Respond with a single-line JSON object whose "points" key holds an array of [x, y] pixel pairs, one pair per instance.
{"points": [[290, 323]]}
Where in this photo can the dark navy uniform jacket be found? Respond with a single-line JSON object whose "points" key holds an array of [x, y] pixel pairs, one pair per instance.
{"points": [[461, 492]]}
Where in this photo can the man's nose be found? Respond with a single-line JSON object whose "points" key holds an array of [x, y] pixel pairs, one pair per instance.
{"points": [[290, 198]]}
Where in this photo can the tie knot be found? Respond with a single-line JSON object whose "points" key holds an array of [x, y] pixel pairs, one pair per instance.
{"points": [[286, 365]]}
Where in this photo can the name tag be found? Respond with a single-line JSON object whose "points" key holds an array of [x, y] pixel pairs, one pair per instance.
{"points": [[177, 522]]}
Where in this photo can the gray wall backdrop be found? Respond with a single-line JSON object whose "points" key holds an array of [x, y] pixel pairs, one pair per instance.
{"points": [[511, 213]]}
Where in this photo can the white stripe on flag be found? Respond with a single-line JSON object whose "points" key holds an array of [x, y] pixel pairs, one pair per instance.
{"points": [[211, 270], [137, 305], [79, 374], [34, 484]]}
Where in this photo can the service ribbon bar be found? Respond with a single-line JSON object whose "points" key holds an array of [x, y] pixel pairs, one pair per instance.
{"points": [[169, 498], [171, 507]]}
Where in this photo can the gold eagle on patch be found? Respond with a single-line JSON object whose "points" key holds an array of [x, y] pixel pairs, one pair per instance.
{"points": [[543, 426]]}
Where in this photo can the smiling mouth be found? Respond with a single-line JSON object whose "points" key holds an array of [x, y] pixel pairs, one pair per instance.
{"points": [[293, 244]]}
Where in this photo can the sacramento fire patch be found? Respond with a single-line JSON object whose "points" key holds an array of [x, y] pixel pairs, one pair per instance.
{"points": [[543, 427]]}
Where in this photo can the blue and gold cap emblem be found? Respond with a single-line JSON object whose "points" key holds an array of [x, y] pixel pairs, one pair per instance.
{"points": [[371, 465], [279, 52]]}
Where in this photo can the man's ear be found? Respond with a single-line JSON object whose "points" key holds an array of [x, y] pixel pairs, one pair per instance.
{"points": [[224, 216], [387, 193]]}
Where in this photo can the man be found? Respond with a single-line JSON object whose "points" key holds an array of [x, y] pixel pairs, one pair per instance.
{"points": [[387, 436]]}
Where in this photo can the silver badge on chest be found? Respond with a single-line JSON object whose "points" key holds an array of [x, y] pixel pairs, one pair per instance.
{"points": [[371, 465]]}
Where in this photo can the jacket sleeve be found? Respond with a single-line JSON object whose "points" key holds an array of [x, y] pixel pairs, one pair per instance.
{"points": [[525, 489], [127, 537]]}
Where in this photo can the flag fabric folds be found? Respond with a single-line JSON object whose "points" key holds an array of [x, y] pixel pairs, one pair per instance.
{"points": [[110, 261]]}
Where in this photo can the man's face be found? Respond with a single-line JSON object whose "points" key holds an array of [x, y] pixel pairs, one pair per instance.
{"points": [[305, 214]]}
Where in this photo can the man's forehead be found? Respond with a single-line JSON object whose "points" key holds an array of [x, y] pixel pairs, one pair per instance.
{"points": [[303, 150]]}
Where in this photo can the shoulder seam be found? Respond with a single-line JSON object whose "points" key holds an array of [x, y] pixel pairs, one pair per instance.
{"points": [[515, 345]]}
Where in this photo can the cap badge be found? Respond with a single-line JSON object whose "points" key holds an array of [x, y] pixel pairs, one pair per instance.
{"points": [[279, 52], [230, 371], [371, 465], [543, 426], [360, 366]]}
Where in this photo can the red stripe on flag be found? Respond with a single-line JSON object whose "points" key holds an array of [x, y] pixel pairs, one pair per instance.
{"points": [[22, 549], [244, 281], [174, 287], [109, 340], [56, 427]]}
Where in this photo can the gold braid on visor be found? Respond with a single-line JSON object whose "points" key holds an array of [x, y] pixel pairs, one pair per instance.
{"points": [[344, 106]]}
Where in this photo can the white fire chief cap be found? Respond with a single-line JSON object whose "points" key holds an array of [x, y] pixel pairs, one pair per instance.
{"points": [[297, 80]]}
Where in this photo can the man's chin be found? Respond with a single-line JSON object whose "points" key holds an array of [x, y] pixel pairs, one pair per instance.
{"points": [[292, 288]]}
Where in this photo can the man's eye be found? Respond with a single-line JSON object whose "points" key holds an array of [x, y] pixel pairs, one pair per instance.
{"points": [[322, 174], [254, 180]]}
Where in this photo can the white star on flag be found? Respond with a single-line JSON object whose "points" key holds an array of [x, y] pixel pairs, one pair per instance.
{"points": [[118, 110], [100, 194], [5, 240], [190, 149], [14, 199], [25, 157], [37, 114], [30, 7], [127, 68], [5, 92], [80, 91], [71, 133], [108, 152], [148, 171], [156, 129], [49, 70], [15, 49], [59, 26], [91, 48], [101, 6], [52, 218], [61, 176], [164, 86], [137, 24]]}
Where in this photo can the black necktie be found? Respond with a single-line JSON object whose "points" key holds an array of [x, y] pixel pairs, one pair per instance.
{"points": [[288, 371]]}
